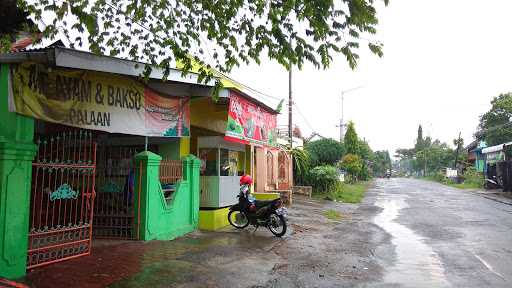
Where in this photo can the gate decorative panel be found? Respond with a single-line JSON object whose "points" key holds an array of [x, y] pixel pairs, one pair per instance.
{"points": [[62, 198]]}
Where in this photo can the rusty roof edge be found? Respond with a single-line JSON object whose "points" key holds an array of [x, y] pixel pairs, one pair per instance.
{"points": [[77, 59], [19, 57], [225, 94], [72, 58]]}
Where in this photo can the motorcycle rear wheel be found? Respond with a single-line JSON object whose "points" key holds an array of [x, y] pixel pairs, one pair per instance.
{"points": [[277, 224], [234, 218]]}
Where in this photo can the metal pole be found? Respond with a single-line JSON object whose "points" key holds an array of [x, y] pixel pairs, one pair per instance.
{"points": [[290, 103], [341, 120], [425, 157], [457, 153], [146, 143]]}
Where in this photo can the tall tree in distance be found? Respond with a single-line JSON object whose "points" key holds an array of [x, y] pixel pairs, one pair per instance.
{"points": [[495, 125], [420, 142], [351, 140]]}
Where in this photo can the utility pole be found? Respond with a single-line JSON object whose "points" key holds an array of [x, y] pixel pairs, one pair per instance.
{"points": [[425, 157], [290, 102], [457, 153], [342, 121]]}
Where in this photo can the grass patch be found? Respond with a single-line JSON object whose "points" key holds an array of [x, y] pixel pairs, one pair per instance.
{"points": [[333, 214], [342, 192], [466, 186]]}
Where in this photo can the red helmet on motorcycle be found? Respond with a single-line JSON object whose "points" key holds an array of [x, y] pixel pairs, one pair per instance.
{"points": [[246, 180]]}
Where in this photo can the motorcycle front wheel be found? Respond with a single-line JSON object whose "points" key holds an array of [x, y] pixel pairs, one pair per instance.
{"points": [[238, 219], [277, 224]]}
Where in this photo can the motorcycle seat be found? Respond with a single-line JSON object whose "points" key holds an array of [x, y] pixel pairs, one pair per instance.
{"points": [[262, 203]]}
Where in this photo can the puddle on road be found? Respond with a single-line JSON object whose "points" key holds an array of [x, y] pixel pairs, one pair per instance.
{"points": [[417, 265]]}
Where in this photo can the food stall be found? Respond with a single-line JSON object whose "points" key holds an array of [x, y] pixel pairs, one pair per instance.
{"points": [[222, 164]]}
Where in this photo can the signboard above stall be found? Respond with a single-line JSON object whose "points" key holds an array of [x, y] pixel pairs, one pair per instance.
{"points": [[250, 123], [97, 101]]}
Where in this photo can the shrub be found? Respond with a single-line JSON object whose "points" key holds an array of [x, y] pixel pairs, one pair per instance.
{"points": [[473, 177], [322, 178], [439, 177]]}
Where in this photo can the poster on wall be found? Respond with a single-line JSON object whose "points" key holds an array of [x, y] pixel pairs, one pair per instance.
{"points": [[249, 123], [97, 101]]}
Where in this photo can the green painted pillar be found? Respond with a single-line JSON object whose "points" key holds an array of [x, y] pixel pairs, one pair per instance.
{"points": [[191, 175], [159, 218], [16, 154], [147, 165]]}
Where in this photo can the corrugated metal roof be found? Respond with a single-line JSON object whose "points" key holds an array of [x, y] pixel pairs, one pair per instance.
{"points": [[495, 148], [43, 46]]}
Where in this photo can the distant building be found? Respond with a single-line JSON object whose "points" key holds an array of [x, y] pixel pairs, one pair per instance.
{"points": [[475, 155]]}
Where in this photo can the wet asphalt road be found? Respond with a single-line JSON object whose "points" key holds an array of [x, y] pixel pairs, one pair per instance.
{"points": [[405, 233], [440, 236]]}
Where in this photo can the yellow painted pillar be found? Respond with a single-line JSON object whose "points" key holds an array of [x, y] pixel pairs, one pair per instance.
{"points": [[184, 146], [251, 165]]}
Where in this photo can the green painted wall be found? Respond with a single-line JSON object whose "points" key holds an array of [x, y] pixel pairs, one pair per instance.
{"points": [[160, 220], [479, 165], [176, 149], [16, 154], [170, 150]]}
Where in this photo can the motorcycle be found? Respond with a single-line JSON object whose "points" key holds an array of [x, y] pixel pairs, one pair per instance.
{"points": [[493, 183], [271, 214]]}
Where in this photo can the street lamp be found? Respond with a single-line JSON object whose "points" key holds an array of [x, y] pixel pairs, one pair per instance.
{"points": [[342, 124]]}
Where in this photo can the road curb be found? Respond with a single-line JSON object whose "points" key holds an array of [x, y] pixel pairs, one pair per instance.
{"points": [[494, 198]]}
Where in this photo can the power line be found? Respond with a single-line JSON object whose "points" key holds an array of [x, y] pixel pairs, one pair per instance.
{"points": [[303, 117]]}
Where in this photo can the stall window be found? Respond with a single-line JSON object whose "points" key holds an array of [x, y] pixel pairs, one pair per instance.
{"points": [[282, 159], [228, 162], [208, 157], [241, 163]]}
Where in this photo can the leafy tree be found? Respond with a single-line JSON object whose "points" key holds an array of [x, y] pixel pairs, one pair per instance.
{"points": [[427, 157], [404, 153], [353, 165], [381, 163], [495, 125], [230, 32], [431, 159], [367, 157], [12, 20], [325, 152], [351, 140], [365, 152], [458, 143]]}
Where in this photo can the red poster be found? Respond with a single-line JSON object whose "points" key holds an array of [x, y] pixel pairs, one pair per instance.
{"points": [[168, 117], [249, 122]]}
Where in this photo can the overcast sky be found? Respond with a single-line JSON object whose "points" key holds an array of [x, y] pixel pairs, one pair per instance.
{"points": [[444, 60]]}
